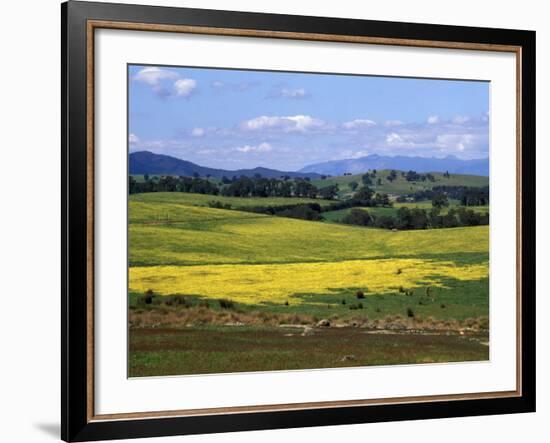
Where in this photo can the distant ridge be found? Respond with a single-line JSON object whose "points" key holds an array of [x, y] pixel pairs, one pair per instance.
{"points": [[419, 164], [145, 162]]}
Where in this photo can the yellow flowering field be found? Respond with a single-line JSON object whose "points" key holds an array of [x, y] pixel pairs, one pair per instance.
{"points": [[276, 283], [191, 235]]}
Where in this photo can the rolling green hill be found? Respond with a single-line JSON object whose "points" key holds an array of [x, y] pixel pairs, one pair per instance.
{"points": [[400, 185], [177, 228]]}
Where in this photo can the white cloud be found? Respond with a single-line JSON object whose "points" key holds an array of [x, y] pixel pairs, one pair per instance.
{"points": [[207, 151], [153, 75], [233, 87], [262, 147], [393, 138], [433, 119], [295, 140], [460, 119], [165, 83], [294, 123], [291, 93], [393, 123], [184, 87], [459, 142], [359, 154], [358, 123], [133, 138]]}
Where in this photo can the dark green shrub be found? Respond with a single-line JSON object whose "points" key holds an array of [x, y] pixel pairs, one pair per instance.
{"points": [[148, 296], [176, 300], [226, 304]]}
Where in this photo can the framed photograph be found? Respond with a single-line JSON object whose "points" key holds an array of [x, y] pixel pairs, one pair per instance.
{"points": [[276, 221]]}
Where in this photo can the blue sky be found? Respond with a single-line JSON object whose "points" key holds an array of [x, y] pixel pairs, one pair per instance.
{"points": [[239, 119]]}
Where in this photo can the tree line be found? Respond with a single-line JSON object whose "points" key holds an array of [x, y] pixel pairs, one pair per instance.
{"points": [[418, 218], [365, 197], [256, 186], [173, 184]]}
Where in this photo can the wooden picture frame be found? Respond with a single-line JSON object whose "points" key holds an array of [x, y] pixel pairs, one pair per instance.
{"points": [[79, 22]]}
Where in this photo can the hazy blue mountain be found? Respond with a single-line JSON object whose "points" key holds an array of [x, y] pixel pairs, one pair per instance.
{"points": [[145, 162], [402, 163]]}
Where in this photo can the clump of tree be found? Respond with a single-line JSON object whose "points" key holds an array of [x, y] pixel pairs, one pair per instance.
{"points": [[359, 217], [414, 218], [365, 196], [475, 196], [329, 192], [172, 184], [366, 179], [440, 201], [303, 212], [467, 195], [413, 176], [392, 175]]}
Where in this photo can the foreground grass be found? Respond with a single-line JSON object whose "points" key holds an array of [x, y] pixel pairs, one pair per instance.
{"points": [[454, 301], [217, 349]]}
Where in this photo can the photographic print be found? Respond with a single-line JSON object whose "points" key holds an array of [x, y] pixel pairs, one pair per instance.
{"points": [[296, 220]]}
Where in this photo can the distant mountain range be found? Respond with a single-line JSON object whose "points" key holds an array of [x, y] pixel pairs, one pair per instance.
{"points": [[145, 162], [402, 163]]}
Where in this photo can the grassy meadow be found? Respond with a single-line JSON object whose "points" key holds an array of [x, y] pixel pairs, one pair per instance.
{"points": [[240, 291]]}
